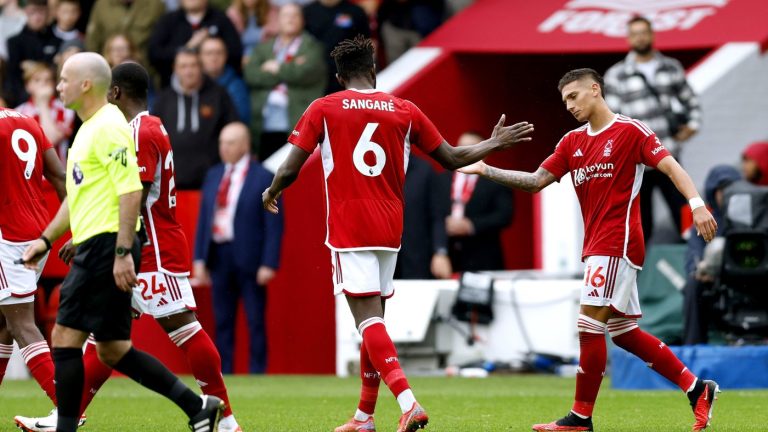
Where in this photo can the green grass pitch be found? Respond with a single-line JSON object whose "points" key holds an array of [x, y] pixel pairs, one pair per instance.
{"points": [[311, 403]]}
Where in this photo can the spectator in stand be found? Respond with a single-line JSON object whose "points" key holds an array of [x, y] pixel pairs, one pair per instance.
{"points": [[696, 312], [475, 210], [134, 19], [43, 105], [238, 242], [188, 27], [255, 20], [404, 23], [119, 49], [330, 22], [213, 57], [194, 109], [754, 163], [66, 50], [35, 42], [66, 14], [12, 20], [285, 75], [651, 87], [424, 248]]}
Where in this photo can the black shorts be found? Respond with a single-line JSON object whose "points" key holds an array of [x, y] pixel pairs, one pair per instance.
{"points": [[90, 300]]}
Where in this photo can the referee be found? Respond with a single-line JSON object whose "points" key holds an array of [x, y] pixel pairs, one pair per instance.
{"points": [[101, 210]]}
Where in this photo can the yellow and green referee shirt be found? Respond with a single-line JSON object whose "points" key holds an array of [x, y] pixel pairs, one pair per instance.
{"points": [[101, 166]]}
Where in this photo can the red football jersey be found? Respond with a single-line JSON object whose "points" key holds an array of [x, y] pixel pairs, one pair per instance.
{"points": [[606, 168], [365, 139], [23, 213], [167, 250]]}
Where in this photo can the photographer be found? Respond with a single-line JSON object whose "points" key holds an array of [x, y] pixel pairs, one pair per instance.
{"points": [[702, 260]]}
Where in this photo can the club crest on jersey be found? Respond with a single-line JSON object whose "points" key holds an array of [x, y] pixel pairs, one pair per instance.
{"points": [[608, 147], [77, 174]]}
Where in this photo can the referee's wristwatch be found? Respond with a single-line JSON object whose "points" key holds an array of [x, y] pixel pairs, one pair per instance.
{"points": [[122, 251]]}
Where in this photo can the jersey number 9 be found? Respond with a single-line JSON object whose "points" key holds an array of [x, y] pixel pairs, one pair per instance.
{"points": [[29, 156]]}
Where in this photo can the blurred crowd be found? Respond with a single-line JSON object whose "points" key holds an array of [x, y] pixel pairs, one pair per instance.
{"points": [[212, 61]]}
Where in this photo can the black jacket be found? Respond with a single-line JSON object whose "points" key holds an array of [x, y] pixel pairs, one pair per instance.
{"points": [[27, 45], [172, 31], [194, 134], [423, 223], [490, 210], [331, 25]]}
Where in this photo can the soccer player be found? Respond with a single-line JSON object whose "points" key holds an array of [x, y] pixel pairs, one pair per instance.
{"points": [[366, 137], [101, 210], [26, 156], [606, 158], [163, 291]]}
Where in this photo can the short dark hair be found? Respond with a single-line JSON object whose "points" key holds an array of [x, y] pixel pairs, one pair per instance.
{"points": [[353, 57], [640, 19], [578, 74], [132, 79]]}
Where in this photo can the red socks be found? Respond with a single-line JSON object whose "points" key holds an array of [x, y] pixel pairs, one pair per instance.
{"points": [[383, 354], [5, 356], [592, 360], [37, 356], [96, 374], [204, 360], [370, 378], [652, 351]]}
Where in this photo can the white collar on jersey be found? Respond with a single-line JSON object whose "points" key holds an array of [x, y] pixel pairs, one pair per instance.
{"points": [[366, 91], [592, 133], [141, 114]]}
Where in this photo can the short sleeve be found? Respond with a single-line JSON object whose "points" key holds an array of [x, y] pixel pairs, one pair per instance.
{"points": [[147, 155], [557, 162], [309, 130], [117, 153], [424, 134], [652, 151]]}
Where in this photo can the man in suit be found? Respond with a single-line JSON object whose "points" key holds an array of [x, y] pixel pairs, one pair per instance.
{"points": [[476, 210], [237, 246], [424, 249]]}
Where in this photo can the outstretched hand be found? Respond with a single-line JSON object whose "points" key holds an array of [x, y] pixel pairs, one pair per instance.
{"points": [[511, 135], [478, 167]]}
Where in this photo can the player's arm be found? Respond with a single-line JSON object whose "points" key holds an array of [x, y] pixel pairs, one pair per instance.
{"points": [[54, 173], [503, 137], [702, 218], [55, 229], [527, 181], [285, 176]]}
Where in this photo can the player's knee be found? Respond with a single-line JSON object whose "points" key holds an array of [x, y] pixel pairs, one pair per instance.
{"points": [[620, 326], [587, 324], [23, 331], [110, 355]]}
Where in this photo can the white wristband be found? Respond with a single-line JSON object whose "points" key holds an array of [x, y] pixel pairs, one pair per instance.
{"points": [[695, 203]]}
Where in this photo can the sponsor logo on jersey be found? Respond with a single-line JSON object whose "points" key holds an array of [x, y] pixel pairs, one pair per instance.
{"points": [[594, 171], [578, 153], [609, 17], [594, 293], [656, 151], [608, 147], [295, 133], [77, 174], [390, 359]]}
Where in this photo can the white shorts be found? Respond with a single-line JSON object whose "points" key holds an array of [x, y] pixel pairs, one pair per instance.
{"points": [[18, 284], [161, 295], [611, 281], [364, 273]]}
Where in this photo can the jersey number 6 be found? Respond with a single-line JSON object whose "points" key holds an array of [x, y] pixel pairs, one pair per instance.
{"points": [[29, 156], [364, 145]]}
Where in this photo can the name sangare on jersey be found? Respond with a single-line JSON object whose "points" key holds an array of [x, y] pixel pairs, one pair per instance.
{"points": [[365, 141], [606, 168]]}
